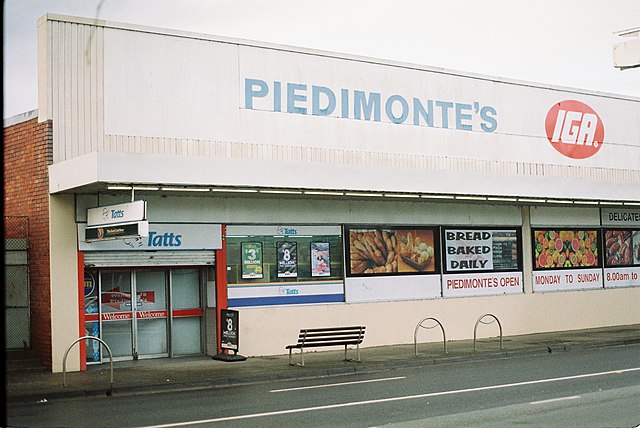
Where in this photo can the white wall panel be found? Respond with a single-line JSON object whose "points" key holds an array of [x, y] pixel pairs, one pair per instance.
{"points": [[169, 87], [121, 88], [518, 314], [562, 216], [238, 210], [71, 86]]}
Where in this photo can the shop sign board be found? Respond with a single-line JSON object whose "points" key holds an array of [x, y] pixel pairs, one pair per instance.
{"points": [[481, 284], [117, 214], [620, 217], [278, 90], [160, 237], [282, 230], [567, 279], [574, 129], [622, 277], [138, 229], [286, 293]]}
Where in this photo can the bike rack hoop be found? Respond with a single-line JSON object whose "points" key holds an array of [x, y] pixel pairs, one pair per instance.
{"points": [[415, 333], [480, 320], [64, 360]]}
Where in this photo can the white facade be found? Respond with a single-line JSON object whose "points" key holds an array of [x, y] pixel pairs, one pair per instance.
{"points": [[139, 106], [233, 104]]}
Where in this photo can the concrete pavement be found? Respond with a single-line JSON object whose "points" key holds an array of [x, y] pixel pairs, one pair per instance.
{"points": [[202, 372]]}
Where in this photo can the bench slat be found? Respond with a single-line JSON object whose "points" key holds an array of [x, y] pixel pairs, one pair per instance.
{"points": [[356, 327], [330, 336], [341, 334], [331, 339], [315, 345]]}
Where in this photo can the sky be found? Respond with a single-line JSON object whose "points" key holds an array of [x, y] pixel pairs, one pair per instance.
{"points": [[566, 43]]}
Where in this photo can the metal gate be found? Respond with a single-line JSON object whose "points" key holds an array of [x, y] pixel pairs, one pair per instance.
{"points": [[16, 283]]}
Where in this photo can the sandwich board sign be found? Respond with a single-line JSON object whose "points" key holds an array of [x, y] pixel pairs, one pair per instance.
{"points": [[229, 336]]}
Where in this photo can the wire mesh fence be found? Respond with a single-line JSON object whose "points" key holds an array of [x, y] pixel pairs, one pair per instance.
{"points": [[16, 282]]}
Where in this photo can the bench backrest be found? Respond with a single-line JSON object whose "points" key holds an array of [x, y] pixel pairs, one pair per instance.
{"points": [[331, 336]]}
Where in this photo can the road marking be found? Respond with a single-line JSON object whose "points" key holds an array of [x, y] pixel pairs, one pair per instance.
{"points": [[390, 399], [337, 384], [552, 400]]}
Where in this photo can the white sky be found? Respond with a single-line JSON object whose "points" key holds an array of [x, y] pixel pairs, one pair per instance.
{"points": [[558, 42]]}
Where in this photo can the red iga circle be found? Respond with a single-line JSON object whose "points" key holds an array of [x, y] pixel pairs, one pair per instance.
{"points": [[574, 129]]}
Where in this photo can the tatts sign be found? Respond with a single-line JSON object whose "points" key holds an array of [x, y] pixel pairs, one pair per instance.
{"points": [[574, 129]]}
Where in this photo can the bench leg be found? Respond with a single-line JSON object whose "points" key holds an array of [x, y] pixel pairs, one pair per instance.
{"points": [[357, 360], [301, 363]]}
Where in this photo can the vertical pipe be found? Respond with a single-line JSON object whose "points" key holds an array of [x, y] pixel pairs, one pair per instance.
{"points": [[527, 245], [221, 284]]}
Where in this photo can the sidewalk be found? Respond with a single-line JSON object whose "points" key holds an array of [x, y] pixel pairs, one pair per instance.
{"points": [[202, 372]]}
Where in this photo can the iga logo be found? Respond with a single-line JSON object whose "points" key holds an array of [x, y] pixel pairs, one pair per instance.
{"points": [[574, 129]]}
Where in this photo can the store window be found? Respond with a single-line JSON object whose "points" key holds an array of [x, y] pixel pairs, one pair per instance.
{"points": [[272, 265], [481, 250], [481, 261], [621, 257], [566, 259], [378, 251], [389, 263]]}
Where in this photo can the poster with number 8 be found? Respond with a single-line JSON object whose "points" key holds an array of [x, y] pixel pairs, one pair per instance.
{"points": [[287, 259]]}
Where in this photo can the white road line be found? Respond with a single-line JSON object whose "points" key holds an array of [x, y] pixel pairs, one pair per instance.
{"points": [[552, 400], [337, 384], [391, 399]]}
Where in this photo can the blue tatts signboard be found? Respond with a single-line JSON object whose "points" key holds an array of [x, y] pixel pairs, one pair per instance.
{"points": [[161, 237]]}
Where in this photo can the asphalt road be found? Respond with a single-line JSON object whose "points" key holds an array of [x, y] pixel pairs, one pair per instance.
{"points": [[592, 388]]}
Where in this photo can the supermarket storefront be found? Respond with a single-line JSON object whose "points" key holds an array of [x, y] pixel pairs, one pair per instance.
{"points": [[314, 188]]}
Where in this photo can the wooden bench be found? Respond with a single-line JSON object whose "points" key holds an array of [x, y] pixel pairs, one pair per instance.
{"points": [[330, 336]]}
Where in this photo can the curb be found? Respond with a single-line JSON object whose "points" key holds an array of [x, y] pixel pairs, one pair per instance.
{"points": [[368, 368]]}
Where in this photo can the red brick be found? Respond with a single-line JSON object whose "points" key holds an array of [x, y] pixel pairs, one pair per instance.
{"points": [[27, 153]]}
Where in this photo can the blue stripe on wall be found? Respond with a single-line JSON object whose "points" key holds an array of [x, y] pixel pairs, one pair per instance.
{"points": [[285, 300]]}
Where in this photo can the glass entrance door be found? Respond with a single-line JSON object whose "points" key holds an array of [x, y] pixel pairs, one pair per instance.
{"points": [[151, 313], [133, 307]]}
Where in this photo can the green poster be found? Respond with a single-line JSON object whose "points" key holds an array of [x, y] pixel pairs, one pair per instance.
{"points": [[251, 260]]}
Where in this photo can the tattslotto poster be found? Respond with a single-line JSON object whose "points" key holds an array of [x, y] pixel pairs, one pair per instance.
{"points": [[320, 262], [287, 259], [251, 260]]}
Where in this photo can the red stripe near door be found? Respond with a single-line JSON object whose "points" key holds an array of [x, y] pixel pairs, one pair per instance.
{"points": [[221, 281], [197, 312], [81, 316]]}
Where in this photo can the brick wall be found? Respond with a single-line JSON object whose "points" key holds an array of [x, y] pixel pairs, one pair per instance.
{"points": [[27, 153]]}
